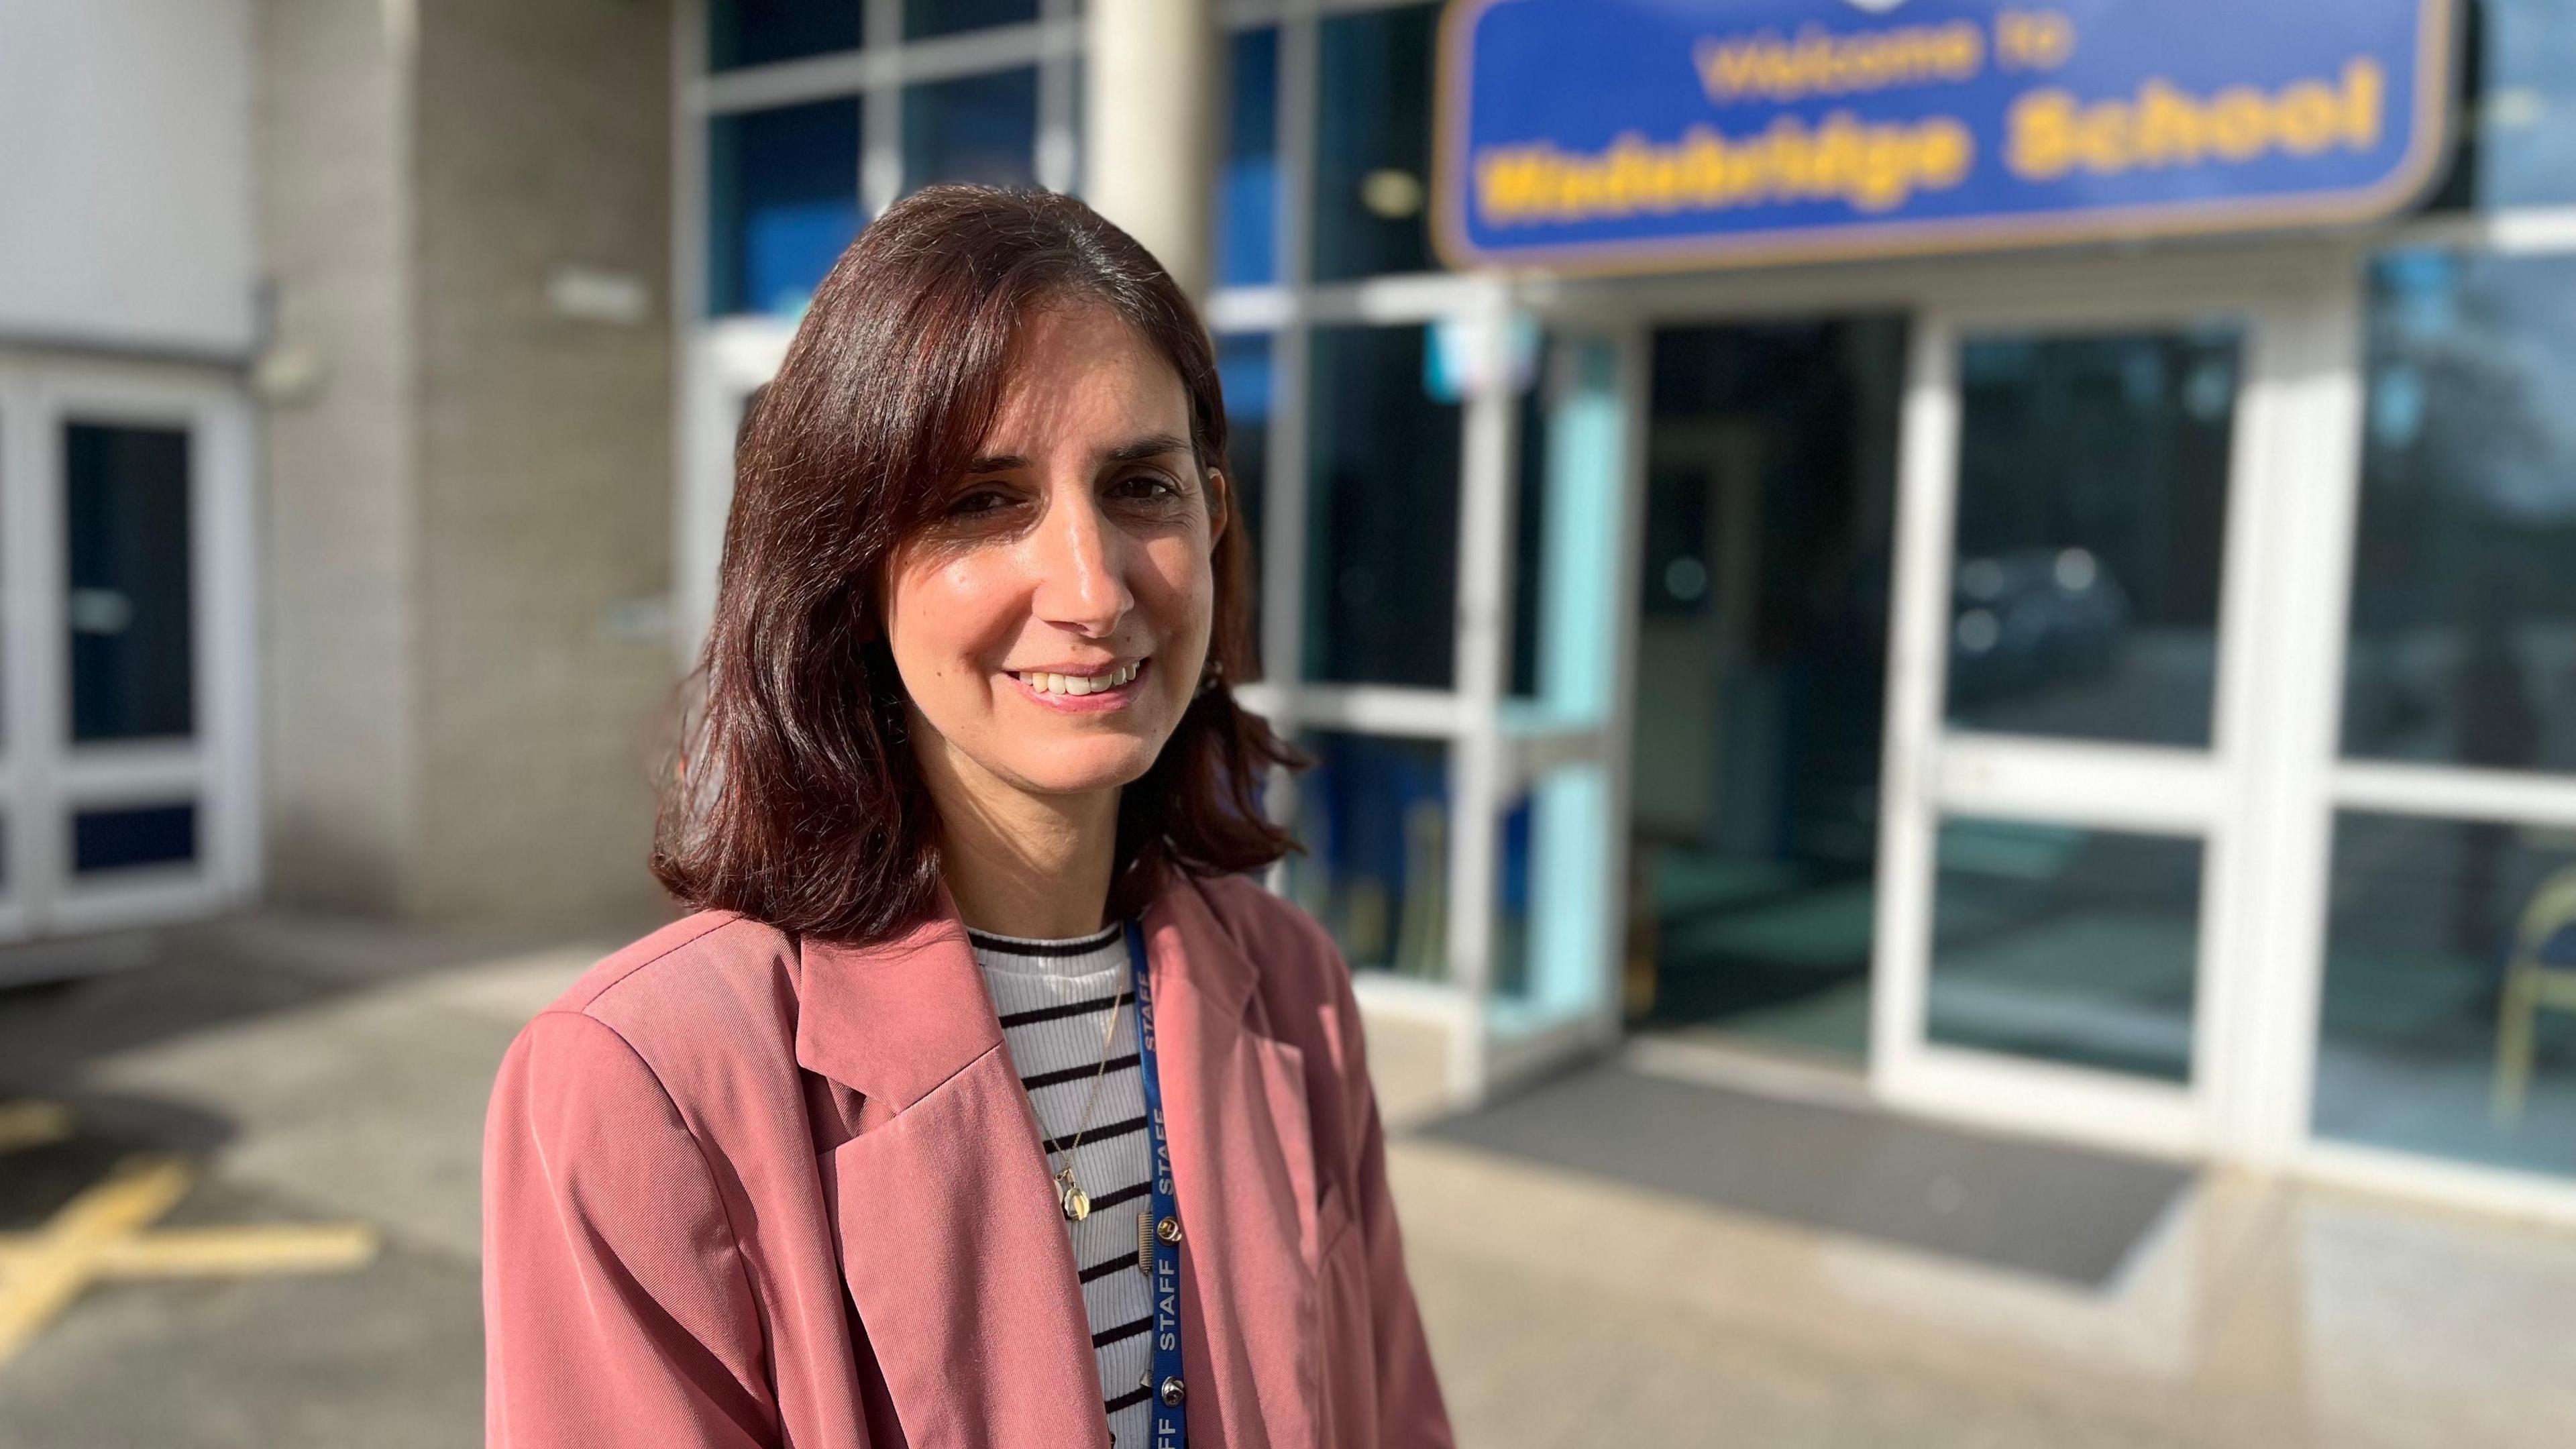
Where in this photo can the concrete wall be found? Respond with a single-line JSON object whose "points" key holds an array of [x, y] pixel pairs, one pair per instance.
{"points": [[125, 173], [341, 700], [545, 413], [467, 207]]}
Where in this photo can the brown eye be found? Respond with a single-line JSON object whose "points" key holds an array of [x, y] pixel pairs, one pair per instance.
{"points": [[977, 500], [1151, 488]]}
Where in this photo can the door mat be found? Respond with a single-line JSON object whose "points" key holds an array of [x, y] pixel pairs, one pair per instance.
{"points": [[2064, 1213]]}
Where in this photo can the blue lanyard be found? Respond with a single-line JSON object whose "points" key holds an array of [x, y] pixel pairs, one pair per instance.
{"points": [[1163, 1231]]}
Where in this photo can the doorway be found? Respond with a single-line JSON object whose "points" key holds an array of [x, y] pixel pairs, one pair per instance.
{"points": [[126, 746], [1761, 669]]}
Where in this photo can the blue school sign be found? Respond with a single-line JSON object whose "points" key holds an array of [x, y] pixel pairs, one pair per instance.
{"points": [[1667, 134]]}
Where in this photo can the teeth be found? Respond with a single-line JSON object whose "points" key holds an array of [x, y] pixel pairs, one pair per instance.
{"points": [[1076, 685]]}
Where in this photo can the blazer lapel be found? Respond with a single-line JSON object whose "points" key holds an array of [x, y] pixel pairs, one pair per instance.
{"points": [[1244, 1170], [951, 1241]]}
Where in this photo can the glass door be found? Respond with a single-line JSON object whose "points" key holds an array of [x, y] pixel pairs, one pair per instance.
{"points": [[2072, 656], [126, 753]]}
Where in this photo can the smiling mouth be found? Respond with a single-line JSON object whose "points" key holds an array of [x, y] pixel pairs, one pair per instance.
{"points": [[1074, 686]]}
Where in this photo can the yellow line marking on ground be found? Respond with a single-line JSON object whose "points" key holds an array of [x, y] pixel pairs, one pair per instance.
{"points": [[100, 1235], [33, 1124]]}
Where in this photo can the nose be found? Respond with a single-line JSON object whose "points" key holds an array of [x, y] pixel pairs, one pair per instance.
{"points": [[1078, 555]]}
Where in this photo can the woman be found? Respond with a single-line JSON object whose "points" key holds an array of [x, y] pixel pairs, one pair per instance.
{"points": [[871, 1150]]}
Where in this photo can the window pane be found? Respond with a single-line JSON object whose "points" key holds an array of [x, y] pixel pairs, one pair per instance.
{"points": [[133, 836], [1243, 369], [1382, 525], [783, 193], [2067, 945], [756, 32], [925, 18], [1247, 188], [2439, 936], [981, 128], [1374, 817], [2524, 153], [1758, 697], [125, 500], [2092, 499], [1373, 143], [1550, 893], [2464, 573]]}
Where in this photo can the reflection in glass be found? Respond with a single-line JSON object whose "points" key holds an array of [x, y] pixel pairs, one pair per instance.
{"points": [[1243, 369], [979, 128], [132, 836], [128, 609], [1761, 661], [2092, 501], [1550, 893], [2446, 943], [925, 18], [1382, 525], [2463, 643], [1373, 815], [1373, 143], [756, 32], [2524, 149], [1247, 183], [783, 200], [2067, 945]]}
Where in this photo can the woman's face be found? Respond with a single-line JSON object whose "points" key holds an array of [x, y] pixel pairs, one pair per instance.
{"points": [[1051, 620]]}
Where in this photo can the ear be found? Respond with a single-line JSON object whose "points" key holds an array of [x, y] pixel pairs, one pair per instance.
{"points": [[1220, 491]]}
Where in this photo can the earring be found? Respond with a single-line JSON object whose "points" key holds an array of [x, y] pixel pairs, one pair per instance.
{"points": [[1211, 675]]}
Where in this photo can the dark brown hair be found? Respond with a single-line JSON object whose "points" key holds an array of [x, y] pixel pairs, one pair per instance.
{"points": [[792, 796]]}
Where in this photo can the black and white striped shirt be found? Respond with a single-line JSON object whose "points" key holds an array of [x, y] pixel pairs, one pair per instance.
{"points": [[1055, 999]]}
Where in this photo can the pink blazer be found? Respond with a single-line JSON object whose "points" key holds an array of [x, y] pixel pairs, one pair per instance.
{"points": [[739, 1190]]}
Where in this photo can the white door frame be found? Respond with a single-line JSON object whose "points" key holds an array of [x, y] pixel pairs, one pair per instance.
{"points": [[45, 779], [2255, 797]]}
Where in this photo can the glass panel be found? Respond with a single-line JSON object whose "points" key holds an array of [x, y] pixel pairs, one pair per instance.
{"points": [[1547, 943], [2449, 1024], [1382, 526], [1373, 815], [133, 836], [2092, 498], [925, 18], [1247, 186], [783, 200], [1373, 143], [756, 32], [1566, 602], [2067, 945], [2464, 573], [1243, 369], [1761, 661], [129, 606], [980, 128], [2524, 153]]}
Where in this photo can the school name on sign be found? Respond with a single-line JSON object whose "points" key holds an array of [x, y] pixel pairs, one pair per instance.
{"points": [[1662, 134]]}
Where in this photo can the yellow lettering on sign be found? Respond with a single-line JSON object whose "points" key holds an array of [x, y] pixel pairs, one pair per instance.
{"points": [[2051, 135], [1819, 62], [2033, 39], [1872, 168]]}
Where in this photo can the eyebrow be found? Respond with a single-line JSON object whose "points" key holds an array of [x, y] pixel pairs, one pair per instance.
{"points": [[1152, 445]]}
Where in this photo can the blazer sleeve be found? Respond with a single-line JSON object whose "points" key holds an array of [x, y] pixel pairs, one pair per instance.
{"points": [[617, 1308], [1411, 1411]]}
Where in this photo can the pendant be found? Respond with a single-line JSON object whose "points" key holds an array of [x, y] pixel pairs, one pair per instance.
{"points": [[1076, 1202]]}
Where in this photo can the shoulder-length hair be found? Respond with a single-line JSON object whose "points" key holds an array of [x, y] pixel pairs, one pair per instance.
{"points": [[792, 796]]}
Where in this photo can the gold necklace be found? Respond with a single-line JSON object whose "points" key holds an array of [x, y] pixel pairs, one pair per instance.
{"points": [[1068, 1191]]}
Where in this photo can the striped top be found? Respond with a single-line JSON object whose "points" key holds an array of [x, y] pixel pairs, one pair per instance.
{"points": [[1056, 999]]}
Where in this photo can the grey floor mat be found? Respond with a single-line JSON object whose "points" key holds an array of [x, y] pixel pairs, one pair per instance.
{"points": [[2058, 1212]]}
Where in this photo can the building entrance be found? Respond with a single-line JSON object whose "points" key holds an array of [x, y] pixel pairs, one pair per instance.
{"points": [[1771, 465]]}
